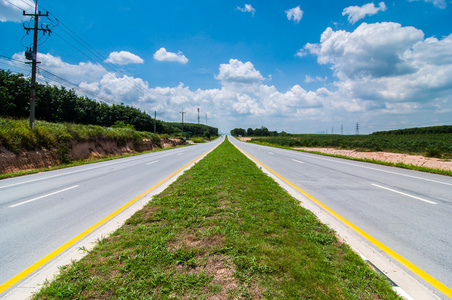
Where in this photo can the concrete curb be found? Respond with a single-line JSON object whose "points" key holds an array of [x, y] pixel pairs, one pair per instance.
{"points": [[405, 284]]}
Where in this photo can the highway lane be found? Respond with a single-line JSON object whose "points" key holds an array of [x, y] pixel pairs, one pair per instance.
{"points": [[41, 212], [408, 211]]}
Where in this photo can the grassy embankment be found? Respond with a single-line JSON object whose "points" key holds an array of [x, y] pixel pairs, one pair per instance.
{"points": [[429, 145], [16, 136], [223, 229]]}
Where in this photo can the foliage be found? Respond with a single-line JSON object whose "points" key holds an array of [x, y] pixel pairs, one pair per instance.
{"points": [[16, 135], [263, 131], [413, 143], [223, 230], [417, 130], [238, 132], [57, 104], [193, 129]]}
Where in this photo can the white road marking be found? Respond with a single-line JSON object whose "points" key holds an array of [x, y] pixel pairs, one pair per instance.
{"points": [[179, 154], [301, 162], [73, 172], [375, 169], [271, 153], [37, 198], [405, 194], [152, 162]]}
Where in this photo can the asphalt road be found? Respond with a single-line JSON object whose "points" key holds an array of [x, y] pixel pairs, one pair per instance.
{"points": [[41, 212], [408, 211]]}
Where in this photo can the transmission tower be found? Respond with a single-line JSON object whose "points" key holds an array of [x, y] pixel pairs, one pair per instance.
{"points": [[357, 128]]}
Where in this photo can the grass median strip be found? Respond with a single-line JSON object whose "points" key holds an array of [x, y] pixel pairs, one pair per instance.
{"points": [[223, 230]]}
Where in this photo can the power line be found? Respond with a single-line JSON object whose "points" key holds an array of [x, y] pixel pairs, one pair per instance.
{"points": [[32, 55], [89, 52], [99, 57]]}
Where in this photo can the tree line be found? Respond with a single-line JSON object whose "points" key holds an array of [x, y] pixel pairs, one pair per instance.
{"points": [[263, 131], [58, 104], [417, 130]]}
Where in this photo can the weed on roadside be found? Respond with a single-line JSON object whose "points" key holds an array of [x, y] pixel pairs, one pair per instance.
{"points": [[223, 230]]}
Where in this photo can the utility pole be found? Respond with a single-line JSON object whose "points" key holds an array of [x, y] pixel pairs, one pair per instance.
{"points": [[155, 117], [183, 112], [206, 118], [198, 115], [32, 55]]}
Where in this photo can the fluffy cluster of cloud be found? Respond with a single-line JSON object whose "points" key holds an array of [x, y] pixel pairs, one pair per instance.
{"points": [[247, 8], [163, 55], [356, 13], [294, 14], [239, 75], [389, 68], [379, 69], [124, 58]]}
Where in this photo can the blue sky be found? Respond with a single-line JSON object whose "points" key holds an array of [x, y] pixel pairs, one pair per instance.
{"points": [[297, 66]]}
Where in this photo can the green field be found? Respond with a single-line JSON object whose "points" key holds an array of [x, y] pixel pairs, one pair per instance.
{"points": [[223, 230], [429, 144]]}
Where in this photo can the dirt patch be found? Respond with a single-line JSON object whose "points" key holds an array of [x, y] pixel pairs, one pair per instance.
{"points": [[244, 139], [27, 160], [44, 158], [416, 160]]}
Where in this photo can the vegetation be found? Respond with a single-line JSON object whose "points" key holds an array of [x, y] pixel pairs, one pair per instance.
{"points": [[193, 129], [436, 145], [263, 131], [222, 230], [417, 130], [16, 135], [57, 104]]}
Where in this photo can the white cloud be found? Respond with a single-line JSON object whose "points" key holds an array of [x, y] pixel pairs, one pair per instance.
{"points": [[383, 73], [12, 10], [438, 3], [356, 13], [309, 79], [247, 8], [237, 72], [84, 71], [124, 58], [301, 53], [371, 50], [385, 67], [294, 13], [163, 55]]}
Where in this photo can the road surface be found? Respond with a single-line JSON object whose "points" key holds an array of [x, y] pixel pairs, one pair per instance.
{"points": [[408, 211], [41, 212]]}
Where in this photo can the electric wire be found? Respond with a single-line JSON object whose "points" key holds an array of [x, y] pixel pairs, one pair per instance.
{"points": [[64, 81], [99, 58]]}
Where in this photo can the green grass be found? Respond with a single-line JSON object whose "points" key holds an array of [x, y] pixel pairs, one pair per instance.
{"points": [[81, 162], [16, 135], [223, 229], [399, 165], [428, 144]]}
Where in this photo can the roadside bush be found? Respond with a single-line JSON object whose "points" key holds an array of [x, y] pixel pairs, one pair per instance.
{"points": [[433, 152]]}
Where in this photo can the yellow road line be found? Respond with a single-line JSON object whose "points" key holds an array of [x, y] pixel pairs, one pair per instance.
{"points": [[53, 254], [434, 282]]}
